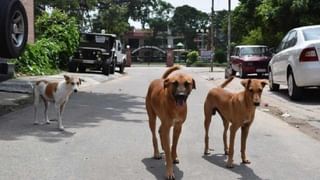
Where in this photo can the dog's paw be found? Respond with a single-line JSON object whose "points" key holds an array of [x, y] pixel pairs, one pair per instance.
{"points": [[206, 153], [176, 161], [48, 122], [170, 177], [61, 128], [158, 156], [230, 164], [246, 161], [36, 123]]}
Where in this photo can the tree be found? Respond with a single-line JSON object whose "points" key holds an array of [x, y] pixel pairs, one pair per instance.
{"points": [[186, 20]]}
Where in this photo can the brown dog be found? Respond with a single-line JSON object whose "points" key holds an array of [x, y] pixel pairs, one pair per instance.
{"points": [[235, 108], [166, 99]]}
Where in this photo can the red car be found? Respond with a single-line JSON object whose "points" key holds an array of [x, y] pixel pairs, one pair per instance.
{"points": [[249, 59]]}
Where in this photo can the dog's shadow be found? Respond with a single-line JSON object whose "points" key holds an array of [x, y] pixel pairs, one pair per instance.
{"points": [[158, 168], [243, 170]]}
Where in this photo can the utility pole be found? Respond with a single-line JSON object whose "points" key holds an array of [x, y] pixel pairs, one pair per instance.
{"points": [[212, 35], [229, 30]]}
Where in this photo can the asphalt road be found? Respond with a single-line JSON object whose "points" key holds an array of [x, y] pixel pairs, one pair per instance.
{"points": [[107, 137]]}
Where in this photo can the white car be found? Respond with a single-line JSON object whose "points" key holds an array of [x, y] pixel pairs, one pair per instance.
{"points": [[296, 62]]}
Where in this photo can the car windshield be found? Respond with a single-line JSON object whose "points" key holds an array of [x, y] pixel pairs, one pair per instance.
{"points": [[253, 51], [100, 41], [311, 34]]}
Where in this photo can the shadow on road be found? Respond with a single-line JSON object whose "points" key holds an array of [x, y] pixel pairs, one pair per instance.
{"points": [[158, 168], [83, 110], [243, 170]]}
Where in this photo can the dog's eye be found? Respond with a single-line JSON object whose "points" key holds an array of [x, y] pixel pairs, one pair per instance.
{"points": [[78, 83], [186, 84], [72, 83], [251, 90], [175, 83], [260, 90]]}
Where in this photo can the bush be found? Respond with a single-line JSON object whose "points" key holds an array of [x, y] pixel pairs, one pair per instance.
{"points": [[220, 56], [39, 58], [192, 57], [58, 38]]}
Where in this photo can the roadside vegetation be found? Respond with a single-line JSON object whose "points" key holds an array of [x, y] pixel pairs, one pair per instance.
{"points": [[252, 21]]}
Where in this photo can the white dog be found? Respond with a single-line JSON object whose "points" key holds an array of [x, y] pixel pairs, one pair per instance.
{"points": [[56, 92]]}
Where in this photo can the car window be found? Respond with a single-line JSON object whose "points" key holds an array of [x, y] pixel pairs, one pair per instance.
{"points": [[283, 43], [253, 51], [311, 34], [292, 40]]}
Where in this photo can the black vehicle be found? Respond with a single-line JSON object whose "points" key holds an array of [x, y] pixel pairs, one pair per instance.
{"points": [[96, 51], [13, 28]]}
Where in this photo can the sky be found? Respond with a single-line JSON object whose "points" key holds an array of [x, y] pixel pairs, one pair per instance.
{"points": [[202, 5]]}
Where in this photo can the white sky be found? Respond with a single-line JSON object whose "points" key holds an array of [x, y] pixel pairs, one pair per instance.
{"points": [[202, 5]]}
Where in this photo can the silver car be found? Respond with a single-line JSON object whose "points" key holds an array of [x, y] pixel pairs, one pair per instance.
{"points": [[296, 62]]}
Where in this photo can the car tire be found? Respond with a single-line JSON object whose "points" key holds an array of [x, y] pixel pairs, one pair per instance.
{"points": [[241, 73], [106, 69], [72, 66], [82, 68], [121, 68], [272, 86], [14, 30], [294, 91], [112, 68]]}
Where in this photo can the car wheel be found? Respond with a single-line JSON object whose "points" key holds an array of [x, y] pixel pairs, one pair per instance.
{"points": [[272, 86], [72, 66], [121, 68], [293, 90], [106, 69], [112, 68], [82, 68], [241, 73], [14, 28]]}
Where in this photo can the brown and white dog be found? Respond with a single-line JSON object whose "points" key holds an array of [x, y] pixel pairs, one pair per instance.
{"points": [[55, 92], [166, 99], [235, 108]]}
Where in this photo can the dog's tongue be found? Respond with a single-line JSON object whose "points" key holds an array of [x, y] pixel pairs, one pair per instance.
{"points": [[180, 102]]}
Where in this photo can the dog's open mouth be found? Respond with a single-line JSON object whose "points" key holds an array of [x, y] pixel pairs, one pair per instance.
{"points": [[180, 99]]}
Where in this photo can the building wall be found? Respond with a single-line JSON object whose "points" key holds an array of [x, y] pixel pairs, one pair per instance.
{"points": [[29, 6]]}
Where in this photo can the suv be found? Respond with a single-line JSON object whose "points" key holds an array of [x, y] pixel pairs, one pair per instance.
{"points": [[249, 59], [98, 51]]}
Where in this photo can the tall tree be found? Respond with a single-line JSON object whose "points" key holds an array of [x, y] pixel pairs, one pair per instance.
{"points": [[186, 20]]}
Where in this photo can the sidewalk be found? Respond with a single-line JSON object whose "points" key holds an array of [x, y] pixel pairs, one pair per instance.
{"points": [[17, 93]]}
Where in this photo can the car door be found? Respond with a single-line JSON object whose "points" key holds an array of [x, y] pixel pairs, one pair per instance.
{"points": [[235, 59], [278, 61]]}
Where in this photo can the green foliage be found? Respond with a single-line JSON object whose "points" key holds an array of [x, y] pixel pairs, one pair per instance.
{"points": [[61, 29], [254, 37], [58, 38], [192, 57], [220, 56], [39, 58]]}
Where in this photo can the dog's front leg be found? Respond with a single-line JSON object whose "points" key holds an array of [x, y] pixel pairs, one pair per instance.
{"points": [[165, 141], [176, 134], [46, 105], [244, 135], [58, 109], [233, 130]]}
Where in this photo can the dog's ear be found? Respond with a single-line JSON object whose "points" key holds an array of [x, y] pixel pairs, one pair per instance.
{"points": [[81, 80], [66, 77], [193, 84], [264, 83], [246, 83], [166, 83]]}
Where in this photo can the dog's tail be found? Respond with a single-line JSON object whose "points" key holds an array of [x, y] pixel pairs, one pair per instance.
{"points": [[226, 82], [170, 70]]}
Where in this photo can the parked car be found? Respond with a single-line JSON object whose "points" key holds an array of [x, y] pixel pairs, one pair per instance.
{"points": [[13, 28], [249, 59], [296, 62], [98, 51]]}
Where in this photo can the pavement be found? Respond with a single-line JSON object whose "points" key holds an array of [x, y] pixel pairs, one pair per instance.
{"points": [[17, 93]]}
